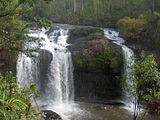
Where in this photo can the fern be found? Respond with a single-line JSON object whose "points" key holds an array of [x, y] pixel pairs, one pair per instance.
{"points": [[14, 101]]}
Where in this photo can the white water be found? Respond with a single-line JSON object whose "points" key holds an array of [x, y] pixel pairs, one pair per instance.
{"points": [[57, 91], [128, 72]]}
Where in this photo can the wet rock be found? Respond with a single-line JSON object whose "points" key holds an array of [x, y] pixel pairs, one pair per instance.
{"points": [[154, 106], [79, 34], [51, 30], [50, 115], [98, 107], [102, 102], [97, 67], [45, 59]]}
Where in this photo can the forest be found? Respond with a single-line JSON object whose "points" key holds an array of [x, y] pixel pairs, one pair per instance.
{"points": [[136, 20], [94, 57]]}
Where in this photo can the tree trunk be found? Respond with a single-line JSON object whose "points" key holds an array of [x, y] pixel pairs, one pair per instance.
{"points": [[75, 6], [153, 5], [82, 5], [64, 4]]}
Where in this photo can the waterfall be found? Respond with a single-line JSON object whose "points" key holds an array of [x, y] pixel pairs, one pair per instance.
{"points": [[128, 71], [51, 71]]}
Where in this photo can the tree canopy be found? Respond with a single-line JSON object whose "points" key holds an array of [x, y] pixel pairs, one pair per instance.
{"points": [[12, 26]]}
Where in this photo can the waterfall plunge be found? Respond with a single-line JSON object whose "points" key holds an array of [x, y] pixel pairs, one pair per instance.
{"points": [[56, 87], [128, 72], [56, 90]]}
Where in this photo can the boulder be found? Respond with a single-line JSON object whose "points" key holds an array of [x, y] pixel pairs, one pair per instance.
{"points": [[154, 106], [50, 115]]}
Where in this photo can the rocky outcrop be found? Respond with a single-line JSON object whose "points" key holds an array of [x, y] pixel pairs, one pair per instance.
{"points": [[82, 33], [97, 65], [45, 58]]}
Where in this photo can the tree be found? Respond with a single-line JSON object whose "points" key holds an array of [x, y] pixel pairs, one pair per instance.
{"points": [[12, 27], [153, 5], [147, 83], [131, 27], [75, 6]]}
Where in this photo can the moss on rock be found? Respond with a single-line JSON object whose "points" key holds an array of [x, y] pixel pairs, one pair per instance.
{"points": [[97, 68], [99, 56]]}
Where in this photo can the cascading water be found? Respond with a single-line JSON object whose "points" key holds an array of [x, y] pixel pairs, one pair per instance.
{"points": [[128, 72], [52, 72], [56, 84]]}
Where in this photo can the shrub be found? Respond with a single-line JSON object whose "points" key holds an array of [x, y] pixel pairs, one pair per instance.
{"points": [[14, 101], [147, 79], [131, 27]]}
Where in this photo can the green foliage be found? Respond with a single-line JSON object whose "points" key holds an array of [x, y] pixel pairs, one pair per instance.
{"points": [[92, 12], [147, 79], [145, 28], [12, 27], [12, 23], [131, 27], [14, 101], [41, 22], [152, 35], [11, 31], [86, 32]]}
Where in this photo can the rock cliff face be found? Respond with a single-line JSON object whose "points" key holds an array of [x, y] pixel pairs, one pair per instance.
{"points": [[97, 64], [45, 58]]}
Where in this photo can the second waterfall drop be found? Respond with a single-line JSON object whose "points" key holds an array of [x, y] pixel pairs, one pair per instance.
{"points": [[128, 86]]}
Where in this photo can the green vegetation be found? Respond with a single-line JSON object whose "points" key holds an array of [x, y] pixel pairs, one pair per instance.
{"points": [[98, 57], [86, 32], [13, 16], [137, 20], [147, 85], [148, 79], [93, 12], [15, 103], [142, 26], [12, 30], [12, 27], [131, 27], [141, 22], [144, 29]]}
